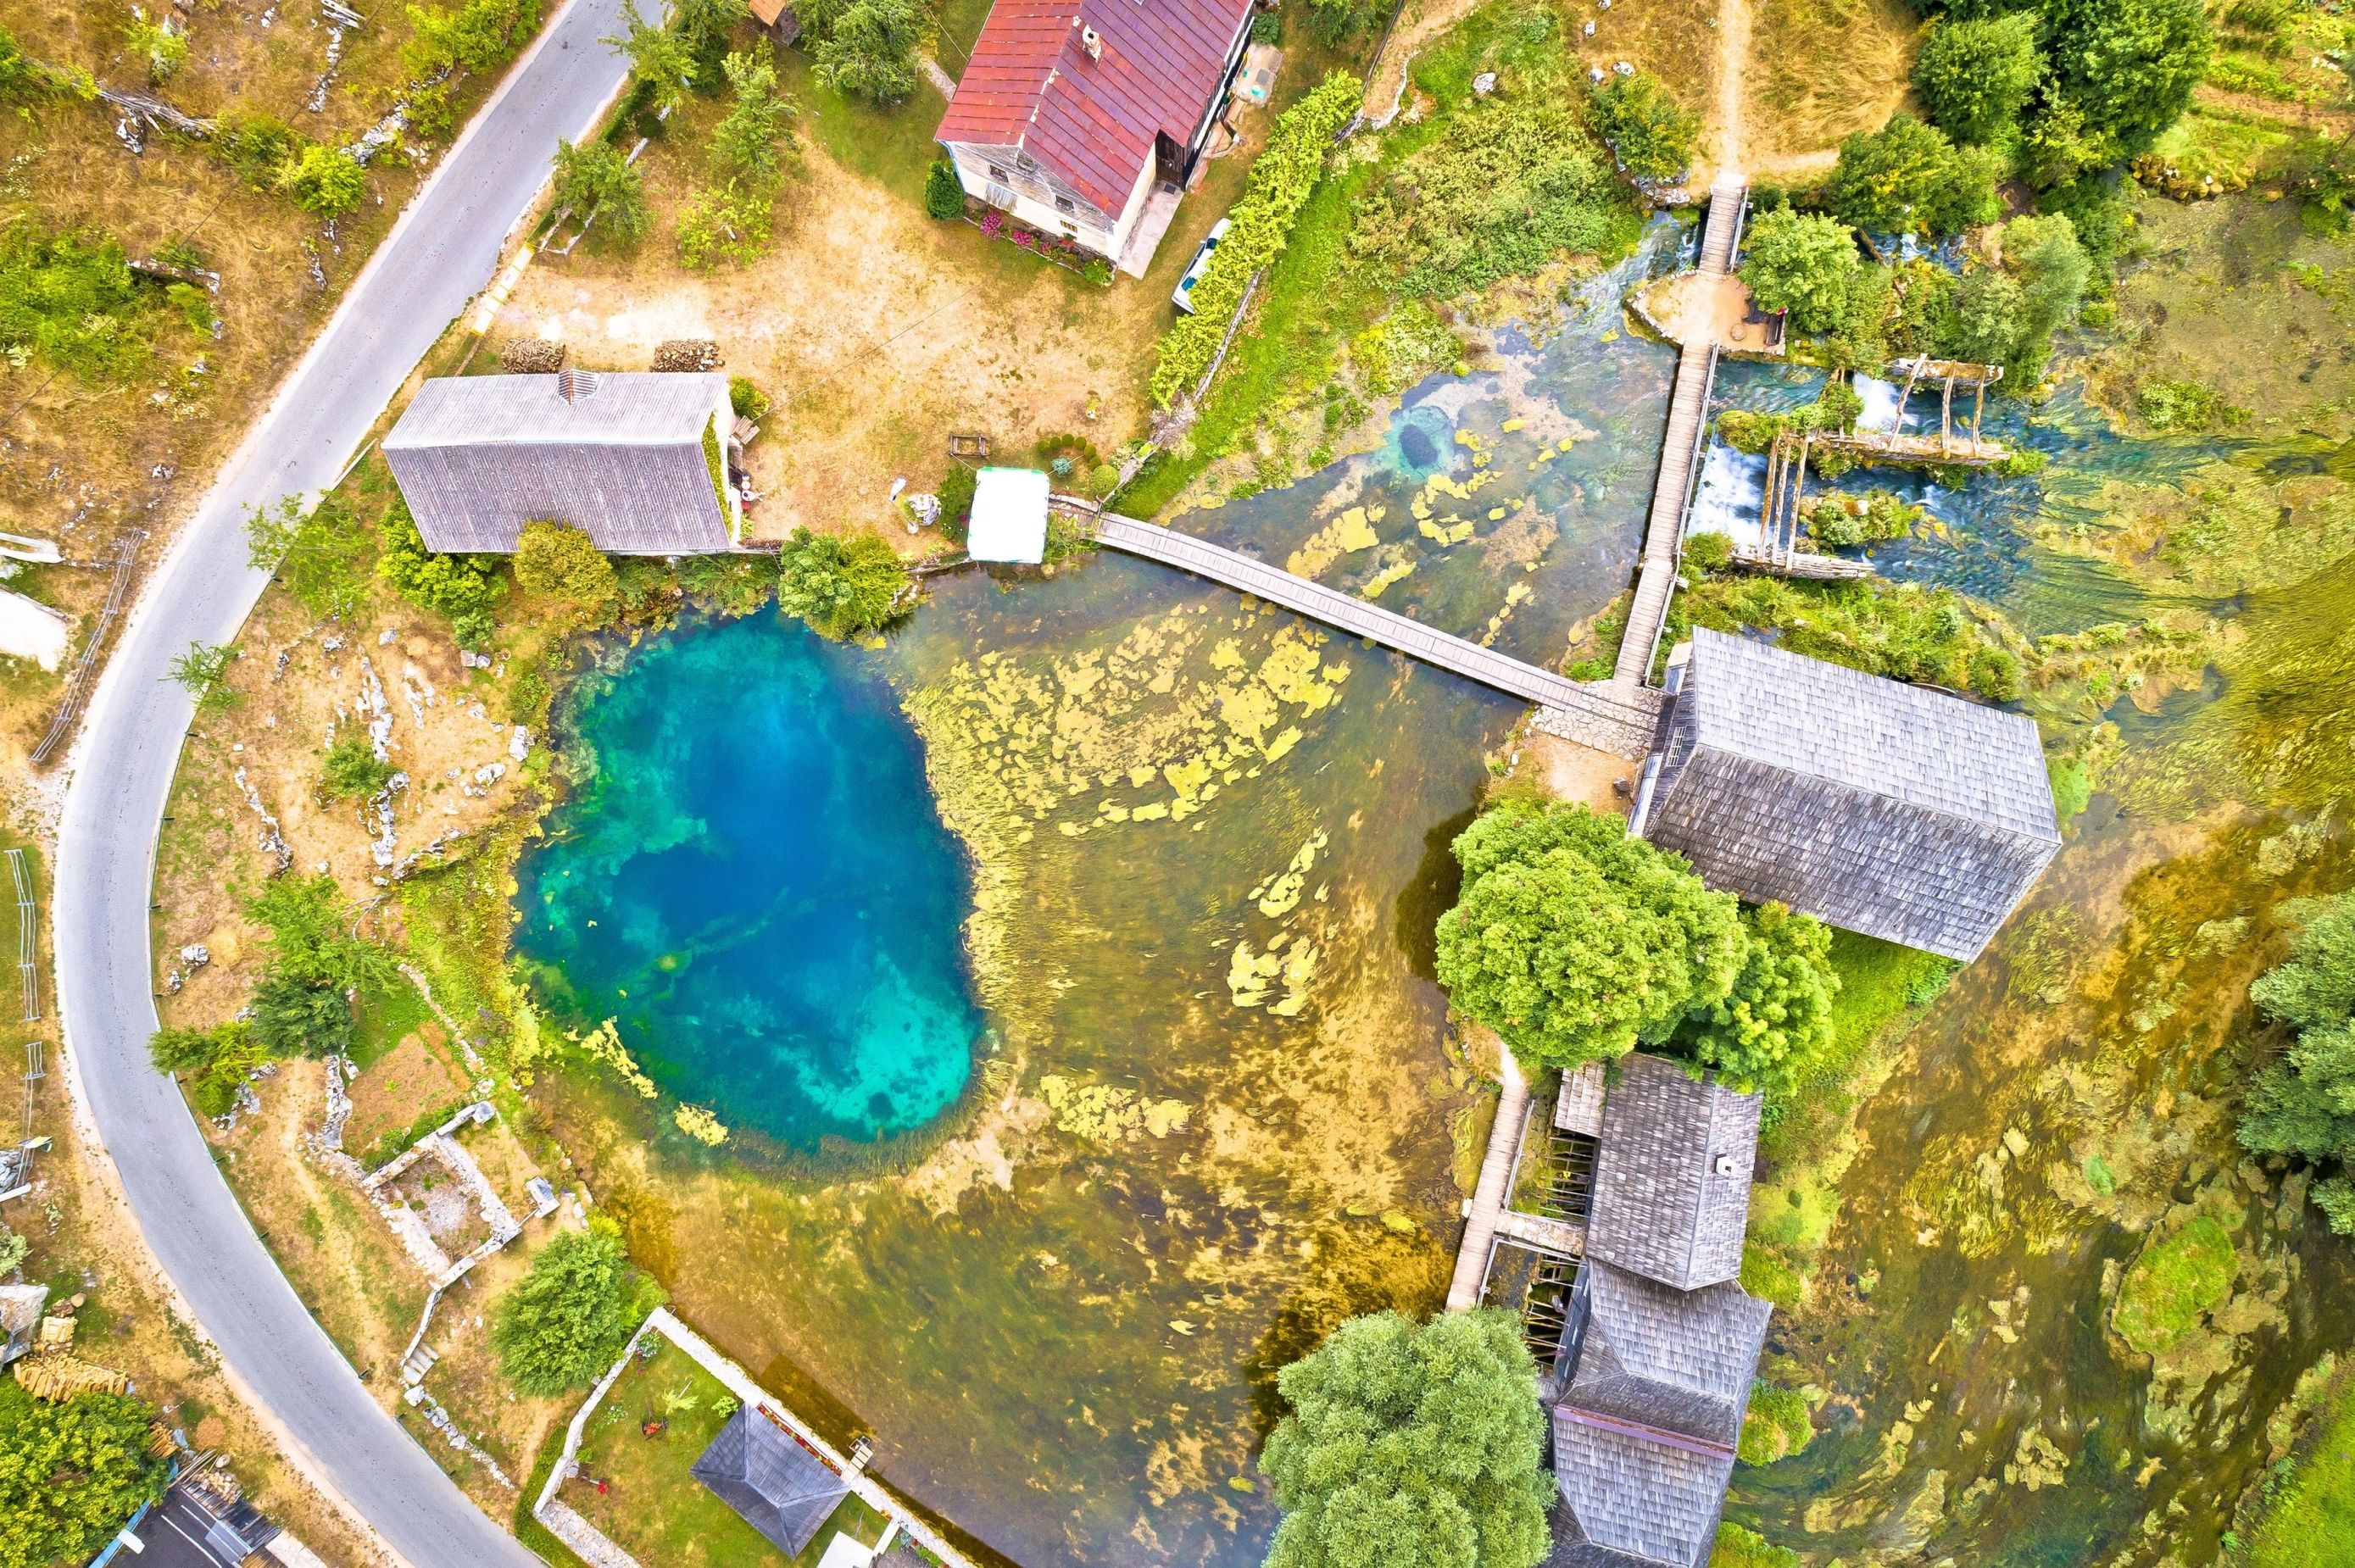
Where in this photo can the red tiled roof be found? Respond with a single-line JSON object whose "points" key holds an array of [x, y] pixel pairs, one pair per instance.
{"points": [[1031, 84]]}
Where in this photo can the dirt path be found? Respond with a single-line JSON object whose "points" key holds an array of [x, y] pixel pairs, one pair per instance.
{"points": [[1733, 74]]}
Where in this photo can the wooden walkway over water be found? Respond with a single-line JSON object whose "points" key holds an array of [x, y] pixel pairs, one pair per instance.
{"points": [[1609, 715], [1680, 450]]}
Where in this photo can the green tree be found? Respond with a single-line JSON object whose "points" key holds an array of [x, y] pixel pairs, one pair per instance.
{"points": [[71, 1475], [724, 223], [1336, 22], [464, 588], [1976, 76], [594, 176], [565, 1321], [350, 769], [745, 145], [70, 300], [1908, 179], [2130, 65], [2053, 271], [1801, 263], [1412, 1447], [325, 182], [477, 36], [658, 57], [707, 25], [1651, 132], [844, 585], [868, 51], [1983, 327], [943, 192], [2303, 1102], [319, 556], [560, 561], [294, 1016], [164, 49], [1771, 1030], [212, 1064], [203, 673], [318, 961], [1574, 941]]}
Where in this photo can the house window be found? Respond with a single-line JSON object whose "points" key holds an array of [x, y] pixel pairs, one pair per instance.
{"points": [[997, 171], [1063, 204]]}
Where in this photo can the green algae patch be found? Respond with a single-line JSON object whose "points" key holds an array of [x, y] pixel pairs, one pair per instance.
{"points": [[1777, 1424], [2173, 1283]]}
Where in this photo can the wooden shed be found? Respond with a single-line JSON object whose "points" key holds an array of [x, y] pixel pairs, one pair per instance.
{"points": [[1877, 806]]}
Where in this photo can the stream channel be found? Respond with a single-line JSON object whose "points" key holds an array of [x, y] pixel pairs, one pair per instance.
{"points": [[1073, 1094]]}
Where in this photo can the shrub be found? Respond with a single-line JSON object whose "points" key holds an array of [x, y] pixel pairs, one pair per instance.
{"points": [[1908, 179], [163, 48], [23, 80], [745, 145], [943, 192], [350, 769], [842, 585], [1338, 21], [560, 561], [1837, 521], [1574, 941], [1098, 271], [745, 399], [325, 182], [1510, 182], [478, 37], [956, 501], [212, 1064], [594, 176], [70, 301], [320, 556], [868, 49], [1975, 76], [566, 1320], [71, 1475], [1651, 132], [461, 588], [1708, 551], [1267, 28], [255, 145], [1258, 226], [1412, 1445], [1801, 263], [317, 960]]}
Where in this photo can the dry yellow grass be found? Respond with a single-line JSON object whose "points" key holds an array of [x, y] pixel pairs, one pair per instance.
{"points": [[1821, 70]]}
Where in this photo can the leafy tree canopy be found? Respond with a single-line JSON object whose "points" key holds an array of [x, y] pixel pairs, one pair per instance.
{"points": [[1976, 76], [842, 584], [2130, 65], [317, 555], [1651, 132], [1802, 263], [2303, 1103], [477, 36], [1908, 179], [867, 48], [658, 57], [1412, 1447], [594, 176], [70, 1475], [1776, 1023], [317, 960], [70, 300], [560, 561], [211, 1064], [325, 182], [1574, 941], [745, 145], [565, 1321]]}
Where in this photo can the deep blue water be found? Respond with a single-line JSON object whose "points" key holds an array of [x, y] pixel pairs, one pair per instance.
{"points": [[754, 882]]}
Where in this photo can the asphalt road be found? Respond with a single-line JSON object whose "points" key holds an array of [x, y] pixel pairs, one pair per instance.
{"points": [[437, 257]]}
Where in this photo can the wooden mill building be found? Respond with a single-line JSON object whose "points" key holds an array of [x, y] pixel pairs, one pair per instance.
{"points": [[1877, 806], [637, 460]]}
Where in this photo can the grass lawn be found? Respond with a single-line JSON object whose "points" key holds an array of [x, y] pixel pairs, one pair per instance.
{"points": [[652, 1507], [2311, 1521]]}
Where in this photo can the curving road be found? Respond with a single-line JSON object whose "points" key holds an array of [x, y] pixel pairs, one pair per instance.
{"points": [[440, 253]]}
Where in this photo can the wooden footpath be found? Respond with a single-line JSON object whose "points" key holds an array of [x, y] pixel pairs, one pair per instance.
{"points": [[1680, 452], [1496, 1176], [1607, 715]]}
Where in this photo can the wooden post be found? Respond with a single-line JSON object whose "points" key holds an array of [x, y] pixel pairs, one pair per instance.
{"points": [[1946, 419], [1798, 495], [1979, 403]]}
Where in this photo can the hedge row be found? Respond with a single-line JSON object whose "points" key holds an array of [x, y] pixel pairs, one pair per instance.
{"points": [[1260, 224]]}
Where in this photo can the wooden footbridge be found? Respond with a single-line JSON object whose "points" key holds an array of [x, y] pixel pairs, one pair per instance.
{"points": [[1613, 716]]}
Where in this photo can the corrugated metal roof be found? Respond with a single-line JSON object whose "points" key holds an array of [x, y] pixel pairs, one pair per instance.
{"points": [[1092, 121], [477, 457], [1880, 807], [1672, 1176]]}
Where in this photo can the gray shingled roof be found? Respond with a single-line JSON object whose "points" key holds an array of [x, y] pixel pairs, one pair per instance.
{"points": [[1675, 1359], [775, 1484], [1632, 1497], [478, 456], [1878, 806], [1672, 1176]]}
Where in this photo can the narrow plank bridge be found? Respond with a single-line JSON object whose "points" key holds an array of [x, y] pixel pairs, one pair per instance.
{"points": [[1615, 716]]}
